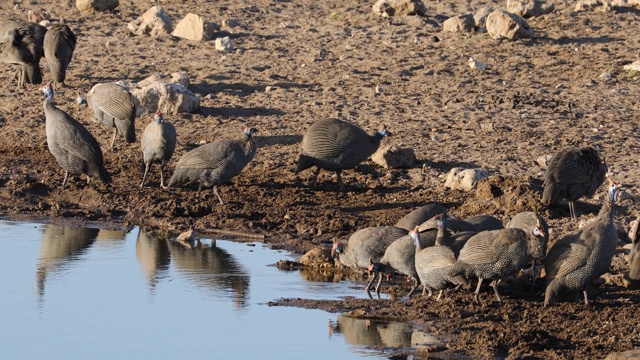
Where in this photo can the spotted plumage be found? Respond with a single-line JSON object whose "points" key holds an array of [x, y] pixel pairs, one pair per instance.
{"points": [[158, 144]]}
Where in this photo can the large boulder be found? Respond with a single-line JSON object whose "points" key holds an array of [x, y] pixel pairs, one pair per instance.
{"points": [[169, 96], [460, 23], [97, 5], [465, 179], [154, 22], [505, 25], [194, 27], [480, 17], [392, 157], [529, 8], [388, 8]]}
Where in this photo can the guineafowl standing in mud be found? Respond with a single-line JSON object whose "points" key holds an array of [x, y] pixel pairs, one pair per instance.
{"points": [[158, 145], [420, 215], [580, 257], [336, 145], [21, 44], [59, 44], [571, 174], [365, 245], [74, 148], [215, 163], [527, 220], [496, 254], [114, 107], [434, 263]]}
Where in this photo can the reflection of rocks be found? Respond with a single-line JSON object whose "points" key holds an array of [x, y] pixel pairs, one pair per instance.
{"points": [[212, 268], [320, 275], [153, 255], [379, 334], [61, 245]]}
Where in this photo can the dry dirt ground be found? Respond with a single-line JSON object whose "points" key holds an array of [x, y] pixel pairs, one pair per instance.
{"points": [[324, 59]]}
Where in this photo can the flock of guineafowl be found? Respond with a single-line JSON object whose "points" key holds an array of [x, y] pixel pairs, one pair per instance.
{"points": [[427, 245]]}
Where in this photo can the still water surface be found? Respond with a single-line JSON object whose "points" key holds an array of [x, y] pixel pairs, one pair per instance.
{"points": [[81, 293]]}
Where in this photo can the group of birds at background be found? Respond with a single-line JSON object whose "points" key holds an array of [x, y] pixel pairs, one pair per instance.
{"points": [[426, 245]]}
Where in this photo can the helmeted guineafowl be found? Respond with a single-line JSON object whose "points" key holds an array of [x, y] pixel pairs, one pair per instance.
{"points": [[485, 222], [527, 220], [633, 259], [580, 257], [365, 245], [496, 254], [21, 44], [158, 144], [420, 215], [336, 145], [215, 163], [114, 107], [571, 174], [59, 44], [74, 148], [434, 263]]}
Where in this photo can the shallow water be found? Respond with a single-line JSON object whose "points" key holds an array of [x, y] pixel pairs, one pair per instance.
{"points": [[104, 294]]}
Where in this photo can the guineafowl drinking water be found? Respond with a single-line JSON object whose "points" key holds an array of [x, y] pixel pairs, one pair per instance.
{"points": [[74, 148], [215, 163], [365, 245], [573, 173], [114, 107], [158, 144], [59, 44], [580, 257], [336, 145]]}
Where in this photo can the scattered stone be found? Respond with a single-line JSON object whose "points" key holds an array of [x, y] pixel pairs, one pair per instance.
{"points": [[605, 76], [465, 179], [625, 3], [194, 27], [529, 8], [505, 25], [593, 5], [378, 89], [97, 5], [480, 18], [389, 8], [317, 257], [460, 23], [634, 66], [392, 157], [224, 44], [543, 160], [167, 96], [154, 22], [475, 64], [625, 355]]}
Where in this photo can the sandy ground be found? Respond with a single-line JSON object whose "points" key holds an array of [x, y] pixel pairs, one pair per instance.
{"points": [[325, 59]]}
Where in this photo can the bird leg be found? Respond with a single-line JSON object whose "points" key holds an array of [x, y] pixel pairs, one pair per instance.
{"points": [[88, 179], [586, 298], [494, 285], [314, 178], [162, 178], [215, 190], [199, 188], [113, 140], [146, 170], [475, 296], [378, 286], [340, 183], [572, 210], [66, 176], [415, 286], [368, 287], [439, 295]]}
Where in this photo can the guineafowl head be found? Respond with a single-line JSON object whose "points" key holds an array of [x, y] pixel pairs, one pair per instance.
{"points": [[441, 221], [415, 236], [382, 132], [157, 117], [374, 267], [81, 100], [47, 89], [337, 248], [538, 230], [614, 190], [249, 131]]}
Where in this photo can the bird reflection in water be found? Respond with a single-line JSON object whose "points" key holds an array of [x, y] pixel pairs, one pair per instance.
{"points": [[111, 237], [212, 268], [153, 255], [60, 246]]}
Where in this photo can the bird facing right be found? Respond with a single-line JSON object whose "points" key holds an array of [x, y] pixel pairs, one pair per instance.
{"points": [[336, 145], [571, 174], [580, 257], [158, 145], [215, 163]]}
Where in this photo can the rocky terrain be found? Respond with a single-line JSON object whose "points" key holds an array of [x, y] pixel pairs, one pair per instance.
{"points": [[295, 62]]}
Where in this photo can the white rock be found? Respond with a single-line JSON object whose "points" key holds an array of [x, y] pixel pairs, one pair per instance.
{"points": [[505, 25], [465, 179], [543, 160], [391, 157], [388, 8], [194, 27], [475, 64], [97, 5], [625, 355], [154, 22], [635, 66], [480, 17], [460, 23], [529, 8], [590, 5], [224, 44], [167, 96]]}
